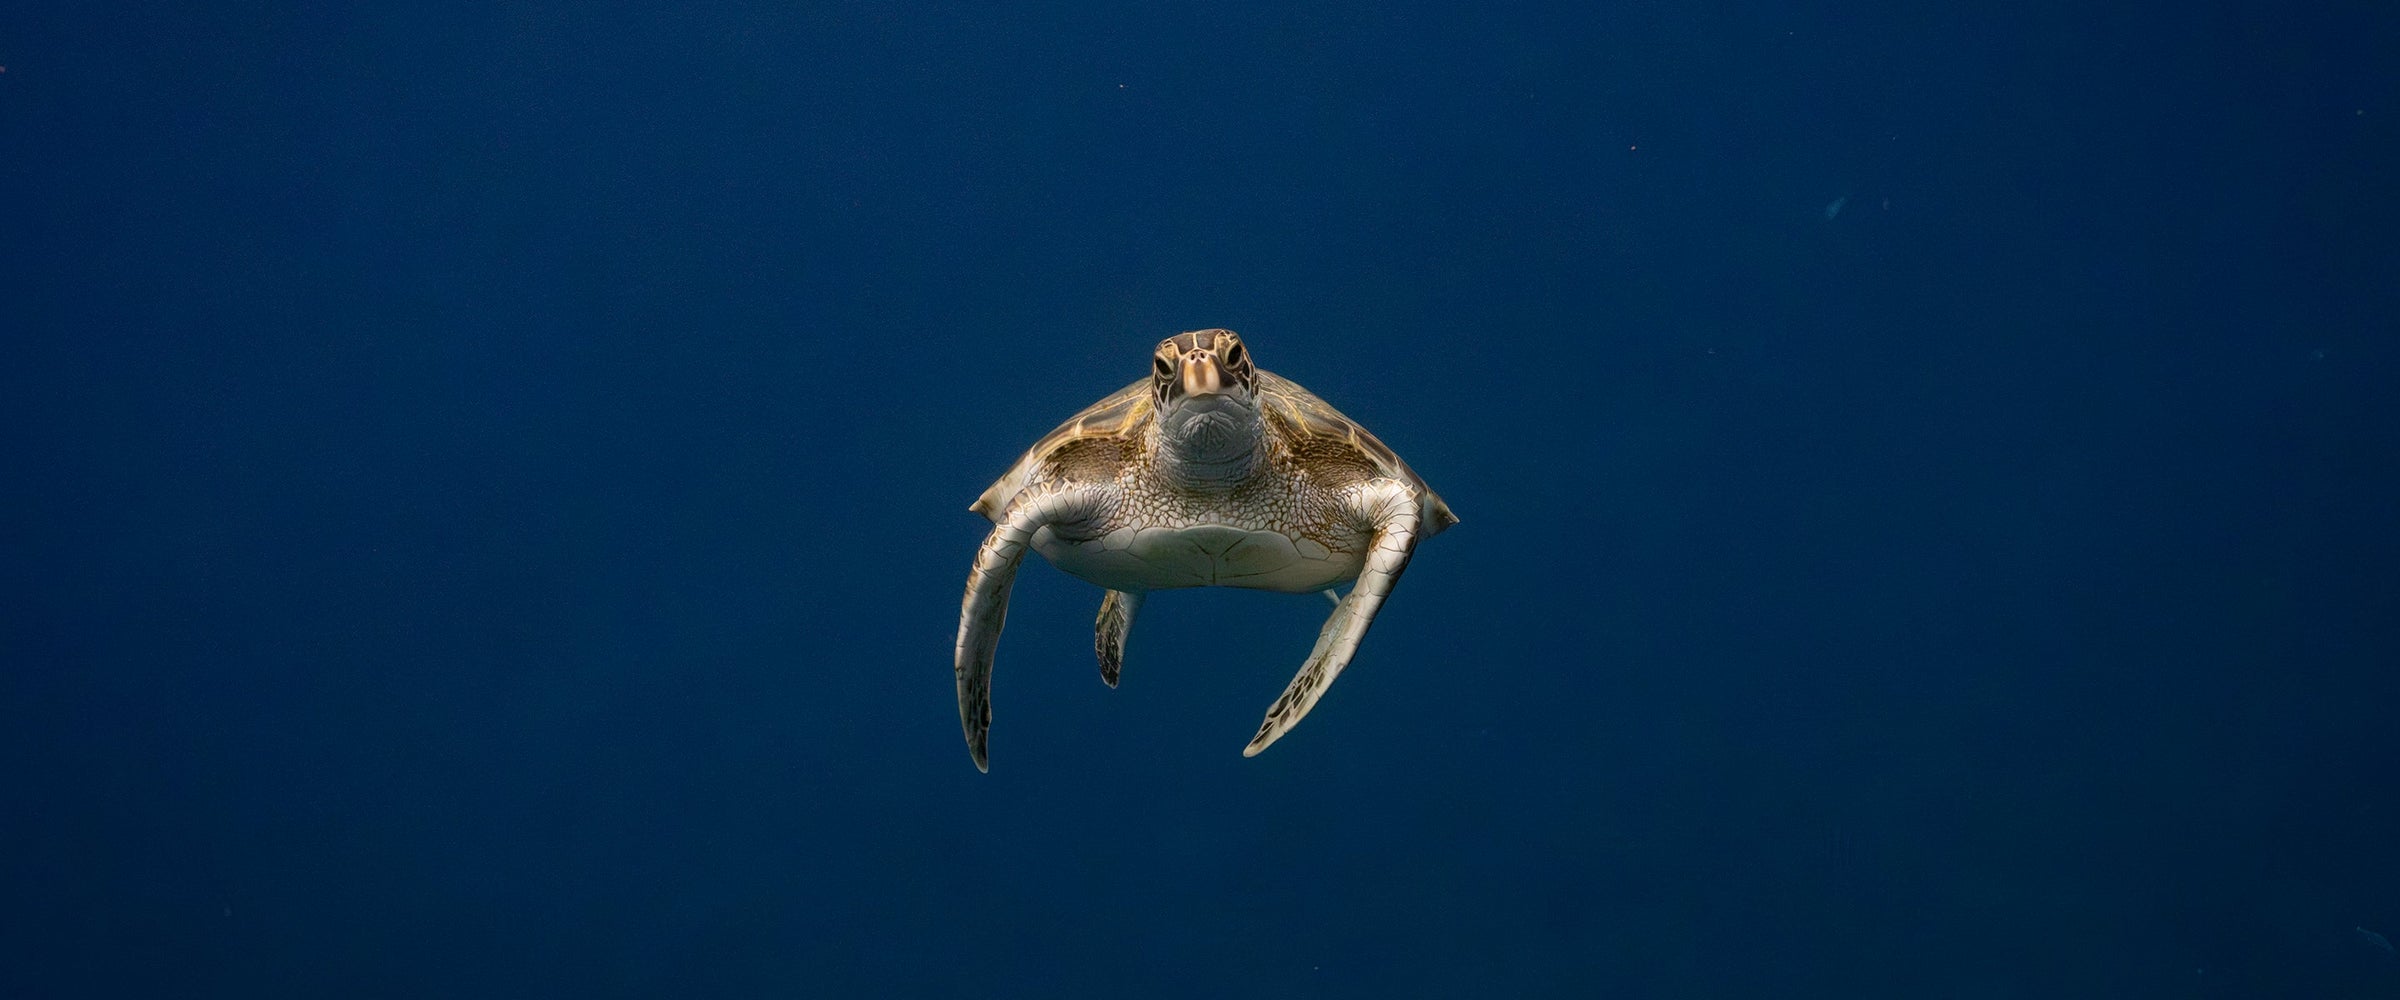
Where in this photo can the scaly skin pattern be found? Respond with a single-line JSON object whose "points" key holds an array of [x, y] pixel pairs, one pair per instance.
{"points": [[1209, 473], [1286, 526]]}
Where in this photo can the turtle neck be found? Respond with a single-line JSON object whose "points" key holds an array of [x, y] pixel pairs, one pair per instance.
{"points": [[1209, 447]]}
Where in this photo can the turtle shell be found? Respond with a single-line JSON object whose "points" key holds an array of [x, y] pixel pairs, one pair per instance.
{"points": [[1319, 435], [1108, 435], [1117, 419]]}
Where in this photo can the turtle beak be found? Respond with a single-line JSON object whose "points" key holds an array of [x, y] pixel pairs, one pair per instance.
{"points": [[1202, 376]]}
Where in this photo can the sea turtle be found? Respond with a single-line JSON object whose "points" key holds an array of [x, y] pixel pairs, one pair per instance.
{"points": [[1208, 473]]}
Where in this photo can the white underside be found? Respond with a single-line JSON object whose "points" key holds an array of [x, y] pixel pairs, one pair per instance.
{"points": [[1204, 555]]}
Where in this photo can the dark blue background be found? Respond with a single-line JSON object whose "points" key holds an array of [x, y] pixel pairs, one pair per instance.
{"points": [[485, 484]]}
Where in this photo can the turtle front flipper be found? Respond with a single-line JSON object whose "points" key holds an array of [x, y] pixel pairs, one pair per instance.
{"points": [[1392, 508], [985, 608], [1108, 633]]}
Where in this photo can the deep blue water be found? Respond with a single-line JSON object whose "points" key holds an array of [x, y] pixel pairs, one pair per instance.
{"points": [[484, 500]]}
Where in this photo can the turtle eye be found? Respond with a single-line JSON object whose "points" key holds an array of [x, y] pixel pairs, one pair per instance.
{"points": [[1233, 356], [1164, 367]]}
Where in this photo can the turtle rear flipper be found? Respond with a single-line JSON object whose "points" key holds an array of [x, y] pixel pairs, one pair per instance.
{"points": [[1108, 633]]}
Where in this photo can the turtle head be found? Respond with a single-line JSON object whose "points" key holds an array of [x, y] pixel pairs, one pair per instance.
{"points": [[1206, 390], [1200, 364]]}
